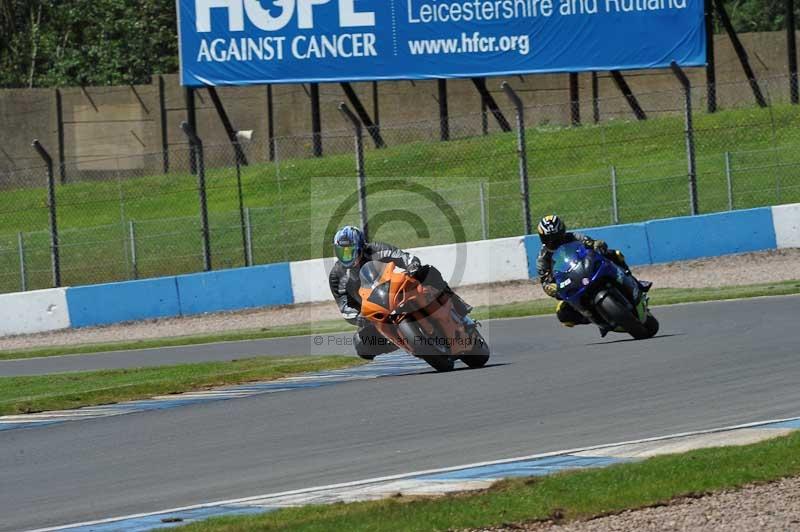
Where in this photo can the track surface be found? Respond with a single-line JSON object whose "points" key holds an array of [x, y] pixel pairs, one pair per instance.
{"points": [[715, 364]]}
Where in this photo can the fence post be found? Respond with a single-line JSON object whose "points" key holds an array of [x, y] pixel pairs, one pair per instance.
{"points": [[484, 225], [362, 178], [134, 261], [199, 162], [729, 179], [23, 274], [51, 203], [690, 156], [614, 201], [522, 153], [241, 210], [249, 235]]}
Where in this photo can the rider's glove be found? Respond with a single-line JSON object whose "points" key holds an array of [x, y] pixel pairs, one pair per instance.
{"points": [[600, 246], [551, 289], [414, 266]]}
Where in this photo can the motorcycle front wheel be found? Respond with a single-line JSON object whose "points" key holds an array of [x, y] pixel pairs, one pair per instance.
{"points": [[426, 346], [479, 356], [617, 312]]}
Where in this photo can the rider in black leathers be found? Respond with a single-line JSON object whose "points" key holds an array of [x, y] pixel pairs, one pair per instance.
{"points": [[344, 283]]}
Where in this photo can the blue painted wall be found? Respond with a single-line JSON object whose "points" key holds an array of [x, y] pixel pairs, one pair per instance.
{"points": [[645, 243], [631, 239], [711, 235], [104, 304], [684, 238], [242, 288]]}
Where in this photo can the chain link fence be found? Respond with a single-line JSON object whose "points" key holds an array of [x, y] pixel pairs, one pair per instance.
{"points": [[115, 219]]}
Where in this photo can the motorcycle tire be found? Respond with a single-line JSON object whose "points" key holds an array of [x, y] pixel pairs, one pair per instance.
{"points": [[479, 356], [436, 354], [614, 311], [651, 324]]}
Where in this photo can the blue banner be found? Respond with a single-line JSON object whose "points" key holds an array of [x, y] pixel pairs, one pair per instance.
{"points": [[244, 42]]}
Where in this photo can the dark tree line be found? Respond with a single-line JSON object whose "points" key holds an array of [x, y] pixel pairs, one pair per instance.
{"points": [[45, 43]]}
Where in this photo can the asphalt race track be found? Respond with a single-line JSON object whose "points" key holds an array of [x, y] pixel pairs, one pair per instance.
{"points": [[550, 388]]}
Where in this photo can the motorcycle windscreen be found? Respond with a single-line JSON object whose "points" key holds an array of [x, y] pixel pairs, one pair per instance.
{"points": [[372, 272], [572, 263], [380, 295]]}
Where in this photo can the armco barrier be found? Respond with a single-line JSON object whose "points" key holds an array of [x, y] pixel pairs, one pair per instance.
{"points": [[104, 304], [258, 286], [33, 312], [786, 219], [710, 235]]}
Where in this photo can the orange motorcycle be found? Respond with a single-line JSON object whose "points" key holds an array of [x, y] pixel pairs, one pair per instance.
{"points": [[418, 319]]}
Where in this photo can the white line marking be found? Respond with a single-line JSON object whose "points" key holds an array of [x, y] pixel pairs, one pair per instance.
{"points": [[409, 475]]}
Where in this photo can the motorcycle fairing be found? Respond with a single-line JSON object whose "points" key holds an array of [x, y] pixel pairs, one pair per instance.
{"points": [[580, 274]]}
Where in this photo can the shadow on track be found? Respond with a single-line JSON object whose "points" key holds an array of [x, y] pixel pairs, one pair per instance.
{"points": [[457, 369], [625, 340]]}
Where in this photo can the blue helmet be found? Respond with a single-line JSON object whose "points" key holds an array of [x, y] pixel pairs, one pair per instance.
{"points": [[348, 245]]}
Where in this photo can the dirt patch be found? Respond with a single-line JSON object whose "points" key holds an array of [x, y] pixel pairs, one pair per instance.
{"points": [[774, 506], [749, 268]]}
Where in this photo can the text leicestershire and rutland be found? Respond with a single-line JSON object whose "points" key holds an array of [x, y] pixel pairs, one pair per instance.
{"points": [[434, 11]]}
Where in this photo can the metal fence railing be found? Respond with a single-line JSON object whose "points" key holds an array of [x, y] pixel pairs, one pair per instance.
{"points": [[117, 219]]}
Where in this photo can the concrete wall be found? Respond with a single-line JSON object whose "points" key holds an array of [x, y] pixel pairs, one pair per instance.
{"points": [[33, 312], [786, 219], [104, 304], [481, 262], [121, 124], [183, 295]]}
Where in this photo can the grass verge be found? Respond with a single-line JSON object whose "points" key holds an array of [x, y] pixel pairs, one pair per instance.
{"points": [[659, 296], [22, 395], [568, 496], [178, 341]]}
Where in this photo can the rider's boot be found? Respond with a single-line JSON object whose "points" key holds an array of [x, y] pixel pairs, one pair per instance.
{"points": [[461, 306], [463, 309]]}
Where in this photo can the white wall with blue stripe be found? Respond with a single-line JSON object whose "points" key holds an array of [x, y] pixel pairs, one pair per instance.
{"points": [[506, 259]]}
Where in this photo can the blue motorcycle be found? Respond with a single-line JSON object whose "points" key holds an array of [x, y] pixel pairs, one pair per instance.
{"points": [[602, 291]]}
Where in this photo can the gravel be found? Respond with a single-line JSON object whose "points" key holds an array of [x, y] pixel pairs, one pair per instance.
{"points": [[750, 268], [773, 506]]}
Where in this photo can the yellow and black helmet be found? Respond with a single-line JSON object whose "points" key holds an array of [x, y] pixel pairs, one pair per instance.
{"points": [[551, 231]]}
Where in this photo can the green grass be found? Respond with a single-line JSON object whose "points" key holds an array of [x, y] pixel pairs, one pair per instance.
{"points": [[293, 201], [658, 296], [22, 395], [564, 497], [319, 327]]}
